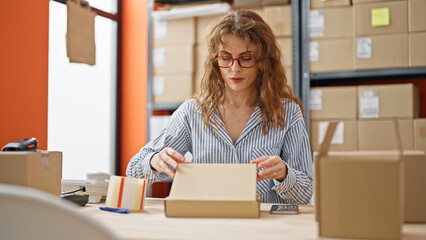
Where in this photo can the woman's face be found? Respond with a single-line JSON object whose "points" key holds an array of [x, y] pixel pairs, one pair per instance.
{"points": [[237, 79]]}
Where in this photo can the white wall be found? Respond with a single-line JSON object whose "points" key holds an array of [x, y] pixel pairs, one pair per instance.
{"points": [[82, 98]]}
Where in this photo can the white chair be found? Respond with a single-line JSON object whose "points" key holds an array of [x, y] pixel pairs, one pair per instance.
{"points": [[27, 213]]}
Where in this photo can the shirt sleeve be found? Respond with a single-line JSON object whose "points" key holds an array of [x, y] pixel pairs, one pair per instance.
{"points": [[296, 154], [175, 135]]}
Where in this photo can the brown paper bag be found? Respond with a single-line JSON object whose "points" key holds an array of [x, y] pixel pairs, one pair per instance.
{"points": [[80, 32]]}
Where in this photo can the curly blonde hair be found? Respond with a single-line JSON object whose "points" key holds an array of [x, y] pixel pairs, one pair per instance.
{"points": [[271, 83]]}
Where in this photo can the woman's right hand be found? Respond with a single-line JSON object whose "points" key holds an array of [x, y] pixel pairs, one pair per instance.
{"points": [[165, 159]]}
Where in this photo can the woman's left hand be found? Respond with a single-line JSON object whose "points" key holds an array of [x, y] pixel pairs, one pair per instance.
{"points": [[274, 166]]}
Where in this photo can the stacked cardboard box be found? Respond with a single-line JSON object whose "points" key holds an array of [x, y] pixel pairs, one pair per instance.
{"points": [[358, 37], [334, 104], [366, 115], [173, 59], [381, 26], [417, 32], [331, 33]]}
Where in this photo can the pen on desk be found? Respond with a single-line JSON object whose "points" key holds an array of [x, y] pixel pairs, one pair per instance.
{"points": [[116, 210]]}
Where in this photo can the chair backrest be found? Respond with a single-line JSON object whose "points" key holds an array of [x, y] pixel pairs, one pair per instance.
{"points": [[27, 213]]}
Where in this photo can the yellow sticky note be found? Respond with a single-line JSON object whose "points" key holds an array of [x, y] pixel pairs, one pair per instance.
{"points": [[380, 17]]}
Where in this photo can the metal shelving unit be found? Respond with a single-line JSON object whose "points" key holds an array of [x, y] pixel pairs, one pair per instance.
{"points": [[376, 73]]}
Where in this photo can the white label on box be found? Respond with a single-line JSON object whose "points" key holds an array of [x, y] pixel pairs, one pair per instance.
{"points": [[369, 104], [316, 99], [160, 31], [157, 124], [313, 52], [316, 21], [158, 85], [338, 134], [159, 57], [363, 47]]}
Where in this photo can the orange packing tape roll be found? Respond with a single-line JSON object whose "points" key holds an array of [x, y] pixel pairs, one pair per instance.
{"points": [[126, 193]]}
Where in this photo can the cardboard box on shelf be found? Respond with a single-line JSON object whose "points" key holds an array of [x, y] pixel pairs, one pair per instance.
{"points": [[381, 18], [286, 50], [172, 87], [331, 23], [417, 49], [328, 55], [213, 190], [173, 59], [420, 134], [355, 2], [247, 3], [374, 134], [174, 31], [372, 52], [417, 15], [279, 19], [41, 170], [331, 3], [333, 103], [414, 187], [202, 26], [345, 137], [388, 101], [351, 186]]}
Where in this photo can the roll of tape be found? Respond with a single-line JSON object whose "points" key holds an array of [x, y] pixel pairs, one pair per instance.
{"points": [[126, 193]]}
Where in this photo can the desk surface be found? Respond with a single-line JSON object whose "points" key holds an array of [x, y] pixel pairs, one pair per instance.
{"points": [[153, 224]]}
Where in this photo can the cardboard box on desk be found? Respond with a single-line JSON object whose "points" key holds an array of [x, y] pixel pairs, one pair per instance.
{"points": [[213, 190], [414, 186], [420, 134], [358, 194], [41, 170]]}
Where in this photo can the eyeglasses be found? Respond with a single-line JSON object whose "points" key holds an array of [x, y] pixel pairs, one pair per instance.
{"points": [[226, 61]]}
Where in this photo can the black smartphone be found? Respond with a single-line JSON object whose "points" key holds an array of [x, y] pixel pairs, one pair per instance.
{"points": [[285, 209]]}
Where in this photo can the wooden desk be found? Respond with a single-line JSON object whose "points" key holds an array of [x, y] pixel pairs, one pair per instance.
{"points": [[153, 224]]}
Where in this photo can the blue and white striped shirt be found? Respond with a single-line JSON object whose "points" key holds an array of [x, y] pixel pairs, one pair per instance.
{"points": [[185, 133]]}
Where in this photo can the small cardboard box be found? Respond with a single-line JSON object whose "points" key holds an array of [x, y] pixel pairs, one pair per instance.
{"points": [[417, 15], [333, 103], [279, 19], [345, 138], [358, 194], [172, 87], [174, 31], [381, 18], [388, 101], [328, 55], [372, 52], [331, 3], [41, 170], [374, 134], [173, 59], [331, 23], [417, 49], [414, 186], [213, 190], [420, 134]]}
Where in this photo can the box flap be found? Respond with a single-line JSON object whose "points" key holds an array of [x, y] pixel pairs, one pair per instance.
{"points": [[214, 182]]}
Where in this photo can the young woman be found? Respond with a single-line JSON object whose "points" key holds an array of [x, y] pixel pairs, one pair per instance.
{"points": [[245, 113]]}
